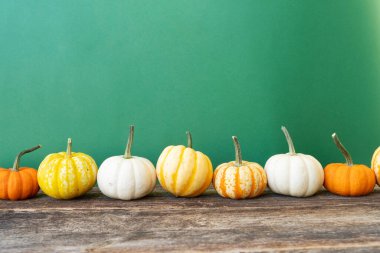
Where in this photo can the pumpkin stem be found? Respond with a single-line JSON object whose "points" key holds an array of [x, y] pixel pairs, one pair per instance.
{"points": [[292, 151], [238, 157], [16, 164], [189, 139], [342, 149], [127, 154], [69, 145]]}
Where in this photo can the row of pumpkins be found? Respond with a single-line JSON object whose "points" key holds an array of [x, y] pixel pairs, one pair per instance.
{"points": [[185, 172]]}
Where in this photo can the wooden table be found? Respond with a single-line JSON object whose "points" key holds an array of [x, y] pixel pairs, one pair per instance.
{"points": [[160, 222]]}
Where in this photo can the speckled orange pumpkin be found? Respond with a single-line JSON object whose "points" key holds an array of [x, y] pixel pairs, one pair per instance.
{"points": [[18, 183], [348, 179], [239, 179]]}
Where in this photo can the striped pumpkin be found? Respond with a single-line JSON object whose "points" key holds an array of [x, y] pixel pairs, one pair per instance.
{"points": [[183, 171], [67, 175], [375, 164], [239, 179]]}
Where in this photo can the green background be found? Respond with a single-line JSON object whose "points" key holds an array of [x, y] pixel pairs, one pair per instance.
{"points": [[89, 69]]}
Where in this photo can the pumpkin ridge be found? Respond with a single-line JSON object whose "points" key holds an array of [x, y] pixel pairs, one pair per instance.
{"points": [[161, 174], [193, 172], [90, 176], [291, 172], [376, 166], [367, 190], [206, 183], [175, 174], [376, 153], [260, 184], [84, 160], [44, 166], [35, 182], [252, 192], [3, 183], [223, 182], [76, 172], [147, 166], [7, 185], [370, 185], [65, 180], [349, 180], [289, 165], [25, 179], [11, 191], [343, 168], [215, 175], [215, 172], [322, 175], [307, 176], [116, 192], [262, 180], [273, 167], [21, 184], [141, 166], [134, 178], [237, 183], [93, 168], [56, 170]]}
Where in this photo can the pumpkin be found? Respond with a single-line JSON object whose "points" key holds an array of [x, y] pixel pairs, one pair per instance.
{"points": [[348, 179], [183, 171], [19, 183], [67, 175], [239, 179], [375, 164], [294, 174], [126, 177]]}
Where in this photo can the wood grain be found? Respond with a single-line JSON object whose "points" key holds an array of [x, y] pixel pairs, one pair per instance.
{"points": [[160, 222]]}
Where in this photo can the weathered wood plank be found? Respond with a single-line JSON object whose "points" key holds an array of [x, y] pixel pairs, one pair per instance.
{"points": [[160, 222]]}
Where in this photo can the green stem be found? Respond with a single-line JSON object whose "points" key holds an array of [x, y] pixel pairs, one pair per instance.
{"points": [[292, 151], [238, 158], [69, 145], [127, 154], [189, 139], [342, 149], [16, 164]]}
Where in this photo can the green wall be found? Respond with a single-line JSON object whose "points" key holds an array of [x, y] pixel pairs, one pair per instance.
{"points": [[89, 69]]}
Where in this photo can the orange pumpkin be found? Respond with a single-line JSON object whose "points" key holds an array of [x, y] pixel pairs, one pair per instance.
{"points": [[375, 164], [19, 183], [348, 179]]}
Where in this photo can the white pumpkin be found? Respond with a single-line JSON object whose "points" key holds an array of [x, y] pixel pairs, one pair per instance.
{"points": [[294, 174], [127, 177]]}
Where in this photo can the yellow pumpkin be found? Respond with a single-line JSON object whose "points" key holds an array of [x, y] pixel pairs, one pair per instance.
{"points": [[239, 179], [375, 164], [67, 175], [183, 171]]}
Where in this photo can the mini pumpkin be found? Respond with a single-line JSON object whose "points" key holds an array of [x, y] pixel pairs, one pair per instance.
{"points": [[126, 177], [183, 171], [348, 179], [19, 183], [239, 179], [375, 164], [294, 174], [67, 175]]}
